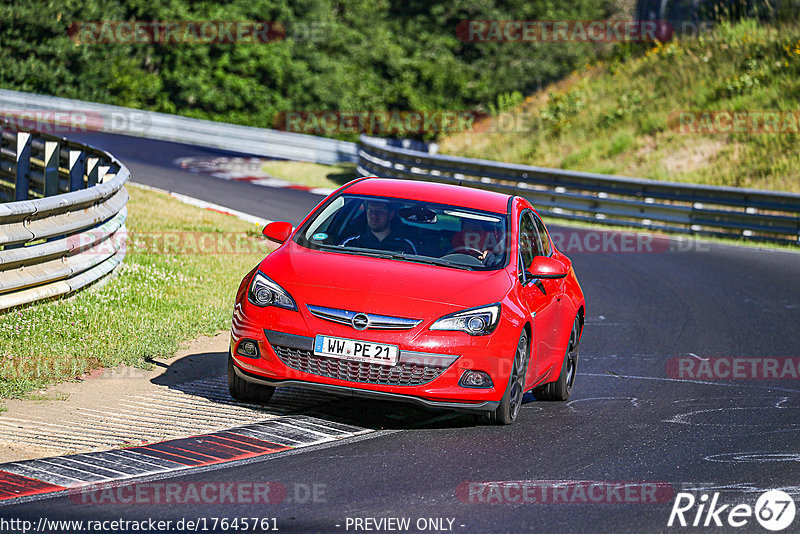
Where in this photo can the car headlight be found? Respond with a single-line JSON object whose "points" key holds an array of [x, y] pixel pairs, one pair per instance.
{"points": [[474, 321], [264, 292]]}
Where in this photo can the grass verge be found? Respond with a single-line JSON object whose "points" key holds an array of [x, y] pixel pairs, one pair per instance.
{"points": [[178, 281], [311, 174]]}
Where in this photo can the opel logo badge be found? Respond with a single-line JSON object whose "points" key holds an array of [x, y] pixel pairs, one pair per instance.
{"points": [[360, 321]]}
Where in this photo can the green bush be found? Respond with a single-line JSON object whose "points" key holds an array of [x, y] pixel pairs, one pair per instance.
{"points": [[562, 107], [506, 102], [348, 55]]}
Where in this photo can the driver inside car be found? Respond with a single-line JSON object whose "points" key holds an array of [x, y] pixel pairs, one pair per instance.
{"points": [[379, 234]]}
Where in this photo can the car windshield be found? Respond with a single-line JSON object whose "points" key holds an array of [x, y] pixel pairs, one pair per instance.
{"points": [[409, 230]]}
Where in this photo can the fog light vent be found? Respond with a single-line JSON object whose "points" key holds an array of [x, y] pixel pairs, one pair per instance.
{"points": [[475, 379], [248, 348]]}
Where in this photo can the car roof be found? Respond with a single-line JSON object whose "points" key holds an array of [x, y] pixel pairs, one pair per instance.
{"points": [[454, 195]]}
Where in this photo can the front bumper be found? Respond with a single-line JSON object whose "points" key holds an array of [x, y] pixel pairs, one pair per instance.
{"points": [[414, 373], [429, 367], [483, 407]]}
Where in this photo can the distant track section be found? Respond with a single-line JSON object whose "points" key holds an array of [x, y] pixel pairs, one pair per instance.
{"points": [[77, 116]]}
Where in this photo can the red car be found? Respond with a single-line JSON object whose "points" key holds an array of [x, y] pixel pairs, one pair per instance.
{"points": [[446, 296]]}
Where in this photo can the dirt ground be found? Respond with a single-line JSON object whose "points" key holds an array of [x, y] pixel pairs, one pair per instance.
{"points": [[45, 418]]}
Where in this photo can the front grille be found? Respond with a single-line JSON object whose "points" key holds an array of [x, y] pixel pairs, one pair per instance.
{"points": [[403, 374], [370, 321]]}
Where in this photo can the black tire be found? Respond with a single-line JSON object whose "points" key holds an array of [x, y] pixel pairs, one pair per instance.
{"points": [[561, 389], [245, 391], [507, 412]]}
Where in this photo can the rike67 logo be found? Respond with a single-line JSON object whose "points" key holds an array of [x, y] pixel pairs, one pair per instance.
{"points": [[774, 510]]}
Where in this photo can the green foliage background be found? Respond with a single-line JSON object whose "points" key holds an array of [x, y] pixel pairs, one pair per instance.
{"points": [[373, 55], [620, 115]]}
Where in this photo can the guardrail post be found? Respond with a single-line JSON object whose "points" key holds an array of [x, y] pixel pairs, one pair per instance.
{"points": [[77, 168], [92, 165], [51, 156], [22, 164]]}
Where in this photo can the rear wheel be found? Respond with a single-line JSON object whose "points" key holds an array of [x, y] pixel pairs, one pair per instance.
{"points": [[561, 389], [507, 412], [245, 391]]}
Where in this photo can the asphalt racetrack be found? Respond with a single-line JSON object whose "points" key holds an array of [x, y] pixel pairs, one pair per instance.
{"points": [[653, 413]]}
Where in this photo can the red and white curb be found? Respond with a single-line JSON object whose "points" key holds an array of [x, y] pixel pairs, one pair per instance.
{"points": [[243, 170], [73, 472]]}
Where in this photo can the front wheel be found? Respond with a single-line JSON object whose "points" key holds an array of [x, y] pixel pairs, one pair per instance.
{"points": [[507, 412], [245, 391], [561, 389]]}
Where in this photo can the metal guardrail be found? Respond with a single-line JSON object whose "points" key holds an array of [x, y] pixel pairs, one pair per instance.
{"points": [[62, 220], [166, 127], [601, 198]]}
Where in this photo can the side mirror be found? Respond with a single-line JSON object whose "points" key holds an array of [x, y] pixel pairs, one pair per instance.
{"points": [[278, 231], [544, 267]]}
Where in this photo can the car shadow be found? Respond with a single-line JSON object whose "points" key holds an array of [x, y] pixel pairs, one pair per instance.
{"points": [[203, 375]]}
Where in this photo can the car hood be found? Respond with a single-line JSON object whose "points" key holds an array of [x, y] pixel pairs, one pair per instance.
{"points": [[379, 285]]}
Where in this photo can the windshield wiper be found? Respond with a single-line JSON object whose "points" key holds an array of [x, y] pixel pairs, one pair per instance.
{"points": [[431, 261], [357, 251], [394, 256]]}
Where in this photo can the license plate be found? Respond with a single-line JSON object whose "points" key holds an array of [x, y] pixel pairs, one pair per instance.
{"points": [[357, 351]]}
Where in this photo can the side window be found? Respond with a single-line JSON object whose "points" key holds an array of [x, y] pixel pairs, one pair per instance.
{"points": [[544, 241], [528, 239]]}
